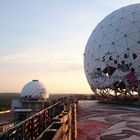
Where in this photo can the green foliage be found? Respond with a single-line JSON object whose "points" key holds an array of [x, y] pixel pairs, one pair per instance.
{"points": [[6, 100], [5, 106]]}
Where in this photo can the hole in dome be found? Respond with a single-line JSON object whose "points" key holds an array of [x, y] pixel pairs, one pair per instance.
{"points": [[35, 80], [109, 70], [115, 61], [126, 55], [134, 56], [133, 22], [125, 35], [98, 69], [119, 85], [106, 74], [133, 12]]}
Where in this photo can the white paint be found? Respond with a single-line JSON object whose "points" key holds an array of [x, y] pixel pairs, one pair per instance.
{"points": [[132, 138], [34, 89], [115, 38]]}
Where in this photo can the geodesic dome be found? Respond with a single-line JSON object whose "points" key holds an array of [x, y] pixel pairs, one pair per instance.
{"points": [[112, 52], [34, 89]]}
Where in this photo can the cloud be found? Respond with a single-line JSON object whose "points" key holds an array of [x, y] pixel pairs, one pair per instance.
{"points": [[66, 67], [42, 63]]}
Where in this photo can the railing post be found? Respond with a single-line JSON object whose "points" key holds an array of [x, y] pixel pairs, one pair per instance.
{"points": [[74, 122], [31, 126]]}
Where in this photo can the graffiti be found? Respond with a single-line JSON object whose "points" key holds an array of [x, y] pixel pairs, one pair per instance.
{"points": [[101, 122], [132, 78], [124, 66], [98, 73]]}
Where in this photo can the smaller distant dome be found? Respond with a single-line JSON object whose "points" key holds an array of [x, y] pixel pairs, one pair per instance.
{"points": [[34, 89]]}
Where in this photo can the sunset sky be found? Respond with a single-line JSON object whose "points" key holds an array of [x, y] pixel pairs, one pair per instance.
{"points": [[45, 40]]}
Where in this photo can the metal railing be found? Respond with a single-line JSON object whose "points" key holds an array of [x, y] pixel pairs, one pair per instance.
{"points": [[32, 127], [63, 127]]}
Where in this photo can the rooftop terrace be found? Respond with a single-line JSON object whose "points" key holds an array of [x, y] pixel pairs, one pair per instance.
{"points": [[107, 122]]}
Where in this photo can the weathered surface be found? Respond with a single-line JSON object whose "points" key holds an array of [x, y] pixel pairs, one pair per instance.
{"points": [[107, 122]]}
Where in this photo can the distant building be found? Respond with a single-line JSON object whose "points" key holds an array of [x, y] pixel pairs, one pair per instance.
{"points": [[33, 99]]}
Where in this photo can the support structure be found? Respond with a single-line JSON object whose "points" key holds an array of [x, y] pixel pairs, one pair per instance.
{"points": [[57, 122]]}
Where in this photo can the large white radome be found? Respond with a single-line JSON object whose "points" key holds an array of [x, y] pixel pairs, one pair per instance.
{"points": [[34, 89], [114, 48]]}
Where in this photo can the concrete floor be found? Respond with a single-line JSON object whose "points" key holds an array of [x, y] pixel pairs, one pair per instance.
{"points": [[107, 122]]}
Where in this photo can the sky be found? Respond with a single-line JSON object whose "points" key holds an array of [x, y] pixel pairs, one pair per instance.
{"points": [[45, 40]]}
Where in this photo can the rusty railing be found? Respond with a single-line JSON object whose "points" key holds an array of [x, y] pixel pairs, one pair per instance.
{"points": [[32, 127], [63, 126]]}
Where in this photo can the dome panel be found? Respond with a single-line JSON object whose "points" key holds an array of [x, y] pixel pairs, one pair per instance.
{"points": [[34, 89], [114, 47]]}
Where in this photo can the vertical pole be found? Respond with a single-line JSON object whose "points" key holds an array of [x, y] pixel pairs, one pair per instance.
{"points": [[74, 122], [31, 126]]}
